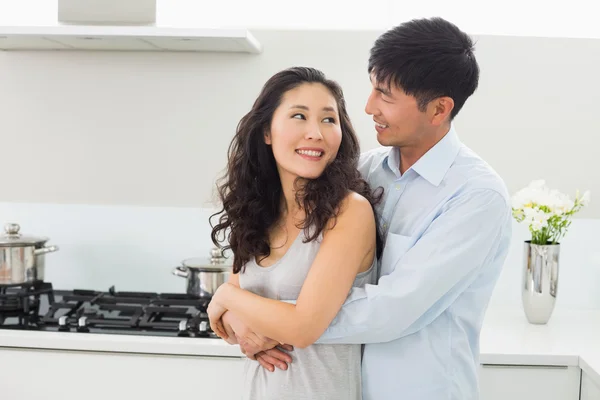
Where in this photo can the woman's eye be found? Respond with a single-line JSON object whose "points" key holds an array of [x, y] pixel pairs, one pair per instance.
{"points": [[298, 116], [331, 120]]}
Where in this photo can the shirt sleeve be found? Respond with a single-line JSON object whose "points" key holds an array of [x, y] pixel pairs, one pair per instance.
{"points": [[460, 243]]}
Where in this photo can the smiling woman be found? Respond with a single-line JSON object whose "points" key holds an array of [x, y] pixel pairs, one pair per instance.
{"points": [[302, 227]]}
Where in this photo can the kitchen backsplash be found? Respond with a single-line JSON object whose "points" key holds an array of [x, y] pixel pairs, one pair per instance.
{"points": [[135, 248]]}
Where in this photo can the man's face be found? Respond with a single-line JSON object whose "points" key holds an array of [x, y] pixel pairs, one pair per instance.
{"points": [[398, 121]]}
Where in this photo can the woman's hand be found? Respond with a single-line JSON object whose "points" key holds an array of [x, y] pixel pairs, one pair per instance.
{"points": [[215, 312]]}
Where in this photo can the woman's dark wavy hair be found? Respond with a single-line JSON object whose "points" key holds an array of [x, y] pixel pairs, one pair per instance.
{"points": [[250, 191]]}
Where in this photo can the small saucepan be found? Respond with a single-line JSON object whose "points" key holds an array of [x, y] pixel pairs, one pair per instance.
{"points": [[22, 257], [204, 276]]}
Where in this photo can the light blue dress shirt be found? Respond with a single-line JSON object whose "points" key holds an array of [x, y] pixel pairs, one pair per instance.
{"points": [[447, 222]]}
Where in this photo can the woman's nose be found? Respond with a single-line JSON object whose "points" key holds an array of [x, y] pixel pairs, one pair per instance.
{"points": [[313, 132]]}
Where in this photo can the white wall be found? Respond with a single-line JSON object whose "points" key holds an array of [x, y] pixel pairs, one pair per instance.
{"points": [[152, 129], [575, 18]]}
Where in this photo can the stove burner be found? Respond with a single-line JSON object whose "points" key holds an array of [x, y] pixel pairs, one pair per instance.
{"points": [[22, 302], [146, 313]]}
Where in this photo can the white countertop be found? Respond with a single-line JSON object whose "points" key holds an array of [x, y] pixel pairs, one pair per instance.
{"points": [[571, 338], [118, 343]]}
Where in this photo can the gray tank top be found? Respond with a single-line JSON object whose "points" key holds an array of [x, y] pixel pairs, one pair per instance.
{"points": [[320, 371]]}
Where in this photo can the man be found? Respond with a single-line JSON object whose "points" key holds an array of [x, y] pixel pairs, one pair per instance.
{"points": [[446, 218]]}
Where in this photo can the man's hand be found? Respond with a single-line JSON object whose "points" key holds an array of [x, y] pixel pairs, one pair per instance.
{"points": [[250, 342], [257, 347], [276, 357]]}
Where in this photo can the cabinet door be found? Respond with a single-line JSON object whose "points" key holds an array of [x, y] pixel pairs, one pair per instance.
{"points": [[28, 374], [517, 382], [589, 389]]}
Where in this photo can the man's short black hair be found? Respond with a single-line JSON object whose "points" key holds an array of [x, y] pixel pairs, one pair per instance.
{"points": [[427, 59]]}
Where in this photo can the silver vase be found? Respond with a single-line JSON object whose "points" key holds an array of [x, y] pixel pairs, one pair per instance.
{"points": [[540, 280]]}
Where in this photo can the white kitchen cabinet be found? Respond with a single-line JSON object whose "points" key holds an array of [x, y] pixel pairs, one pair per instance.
{"points": [[33, 374], [589, 389], [517, 382]]}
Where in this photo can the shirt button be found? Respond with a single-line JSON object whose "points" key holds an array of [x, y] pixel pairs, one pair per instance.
{"points": [[398, 186], [384, 226]]}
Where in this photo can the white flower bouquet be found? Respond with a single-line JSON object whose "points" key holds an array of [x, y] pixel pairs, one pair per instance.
{"points": [[547, 212]]}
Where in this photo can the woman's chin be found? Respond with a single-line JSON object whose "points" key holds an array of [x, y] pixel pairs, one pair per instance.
{"points": [[310, 175], [306, 173]]}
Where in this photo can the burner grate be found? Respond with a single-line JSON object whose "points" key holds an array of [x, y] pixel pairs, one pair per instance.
{"points": [[142, 313], [20, 304]]}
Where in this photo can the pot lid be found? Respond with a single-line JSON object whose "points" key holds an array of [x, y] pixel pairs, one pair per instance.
{"points": [[216, 262], [12, 237]]}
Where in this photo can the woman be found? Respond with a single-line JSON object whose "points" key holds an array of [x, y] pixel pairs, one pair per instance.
{"points": [[302, 227]]}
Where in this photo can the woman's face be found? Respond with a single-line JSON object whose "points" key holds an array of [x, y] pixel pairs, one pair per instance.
{"points": [[305, 132]]}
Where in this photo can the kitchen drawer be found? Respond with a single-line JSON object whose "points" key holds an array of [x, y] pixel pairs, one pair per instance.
{"points": [[589, 389], [518, 382], [33, 374]]}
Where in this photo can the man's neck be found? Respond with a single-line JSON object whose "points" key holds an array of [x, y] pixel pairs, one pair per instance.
{"points": [[409, 155]]}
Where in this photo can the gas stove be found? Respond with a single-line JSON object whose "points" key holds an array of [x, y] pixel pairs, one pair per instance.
{"points": [[38, 306]]}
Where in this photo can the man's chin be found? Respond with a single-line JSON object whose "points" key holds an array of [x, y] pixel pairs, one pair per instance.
{"points": [[384, 139]]}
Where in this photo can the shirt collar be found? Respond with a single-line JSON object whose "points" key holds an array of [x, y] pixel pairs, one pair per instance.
{"points": [[392, 161], [434, 164]]}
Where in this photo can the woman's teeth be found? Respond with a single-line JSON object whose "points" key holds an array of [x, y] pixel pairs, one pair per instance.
{"points": [[312, 153], [381, 125]]}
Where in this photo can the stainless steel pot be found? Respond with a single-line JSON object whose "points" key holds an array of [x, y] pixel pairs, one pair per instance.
{"points": [[22, 257], [204, 276]]}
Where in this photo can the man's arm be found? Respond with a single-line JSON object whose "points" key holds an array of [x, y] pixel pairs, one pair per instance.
{"points": [[461, 241]]}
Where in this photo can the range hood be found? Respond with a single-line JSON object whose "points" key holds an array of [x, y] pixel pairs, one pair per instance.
{"points": [[121, 25]]}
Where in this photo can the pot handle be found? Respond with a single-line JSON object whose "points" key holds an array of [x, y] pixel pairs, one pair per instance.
{"points": [[181, 271], [44, 250]]}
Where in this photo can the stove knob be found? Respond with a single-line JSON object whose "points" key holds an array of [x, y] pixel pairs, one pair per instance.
{"points": [[183, 328], [63, 324], [183, 325], [82, 325], [203, 326]]}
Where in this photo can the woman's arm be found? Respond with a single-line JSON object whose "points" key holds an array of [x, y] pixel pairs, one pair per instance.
{"points": [[230, 337], [348, 245]]}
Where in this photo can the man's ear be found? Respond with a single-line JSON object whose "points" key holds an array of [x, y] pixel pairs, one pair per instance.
{"points": [[440, 110]]}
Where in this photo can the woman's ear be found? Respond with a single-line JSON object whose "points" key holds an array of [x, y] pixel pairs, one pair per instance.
{"points": [[267, 138]]}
